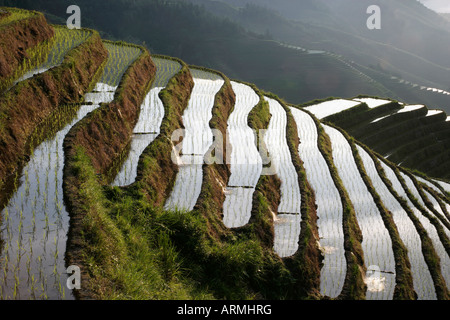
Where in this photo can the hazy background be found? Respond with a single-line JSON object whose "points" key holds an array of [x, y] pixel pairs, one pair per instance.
{"points": [[299, 49], [437, 5]]}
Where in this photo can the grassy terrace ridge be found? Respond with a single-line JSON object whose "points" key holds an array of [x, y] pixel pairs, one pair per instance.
{"points": [[129, 247], [12, 15], [411, 138], [105, 132], [134, 242], [33, 100], [354, 286], [435, 220], [441, 201], [266, 197], [425, 176], [365, 130], [421, 187], [110, 127], [404, 286], [306, 263], [359, 115], [431, 257], [155, 162], [216, 175], [22, 31], [176, 255], [413, 150]]}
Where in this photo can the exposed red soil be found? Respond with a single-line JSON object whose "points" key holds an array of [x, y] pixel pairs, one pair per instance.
{"points": [[106, 132], [17, 37], [33, 100]]}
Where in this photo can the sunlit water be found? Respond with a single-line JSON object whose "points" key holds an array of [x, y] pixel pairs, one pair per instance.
{"points": [[35, 225], [35, 221]]}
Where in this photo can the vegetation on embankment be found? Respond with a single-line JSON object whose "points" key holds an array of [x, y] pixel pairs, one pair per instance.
{"points": [[20, 30], [240, 263], [156, 172], [91, 147], [129, 248], [431, 257], [412, 138], [361, 115], [406, 130], [404, 289], [267, 195], [354, 287], [217, 173], [428, 211], [306, 263], [31, 101], [105, 132], [369, 128], [442, 217]]}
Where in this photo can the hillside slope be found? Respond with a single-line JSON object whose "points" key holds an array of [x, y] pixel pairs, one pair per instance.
{"points": [[401, 48], [236, 194], [412, 136], [184, 30]]}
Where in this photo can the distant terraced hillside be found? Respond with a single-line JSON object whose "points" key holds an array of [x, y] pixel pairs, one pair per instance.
{"points": [[161, 180], [412, 136]]}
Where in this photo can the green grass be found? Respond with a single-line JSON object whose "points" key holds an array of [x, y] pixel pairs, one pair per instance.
{"points": [[16, 14], [47, 54], [410, 138], [404, 288], [430, 255], [121, 56], [127, 248], [136, 251], [166, 69]]}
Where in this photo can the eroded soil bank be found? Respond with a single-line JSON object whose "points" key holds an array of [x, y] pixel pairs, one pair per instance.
{"points": [[32, 101], [91, 147], [19, 36]]}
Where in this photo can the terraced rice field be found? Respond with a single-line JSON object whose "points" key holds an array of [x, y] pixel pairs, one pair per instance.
{"points": [[149, 122], [197, 139], [410, 135], [435, 204], [372, 102], [329, 206], [429, 184], [328, 108], [408, 233], [413, 189], [376, 243], [122, 56], [16, 14], [287, 224], [444, 185], [35, 219], [63, 41], [245, 162], [429, 227]]}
